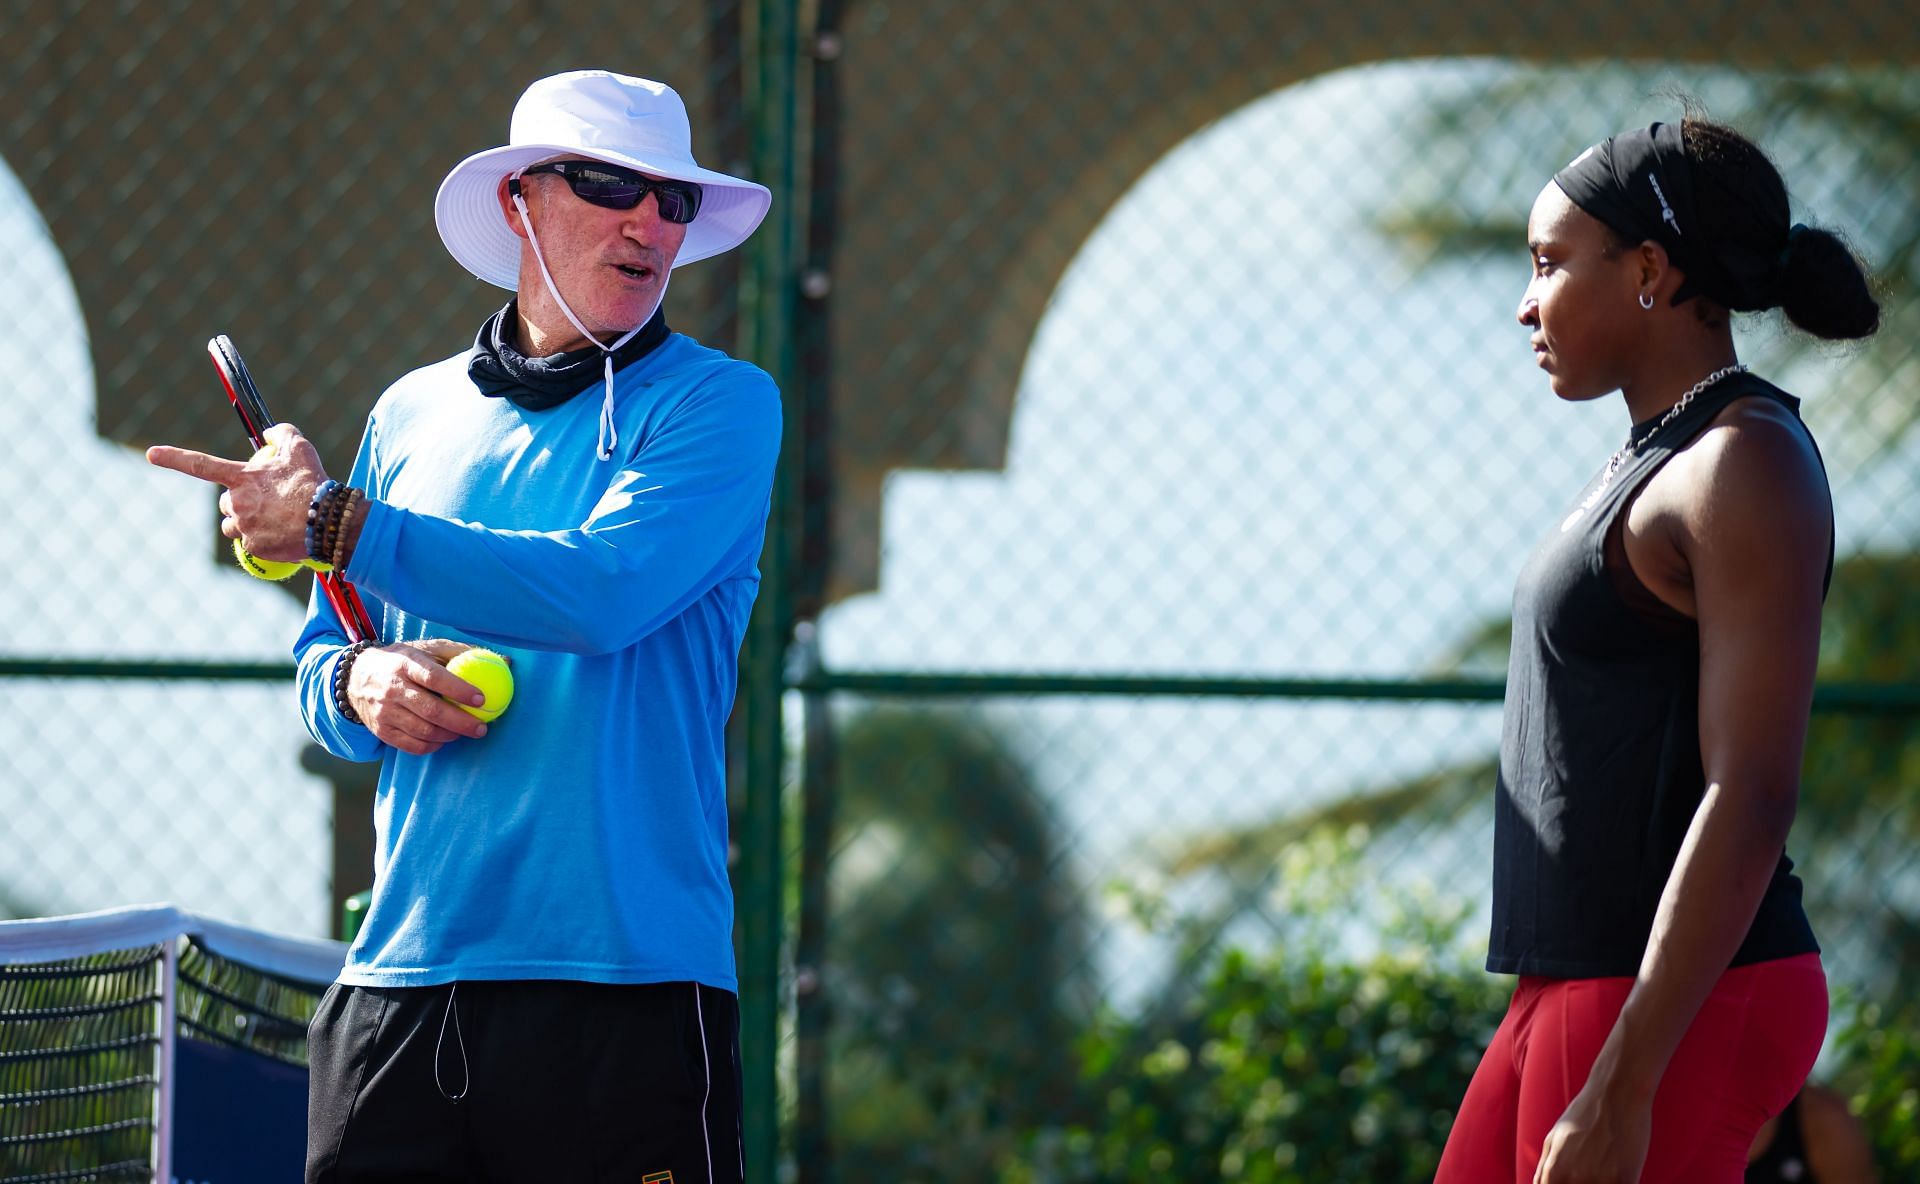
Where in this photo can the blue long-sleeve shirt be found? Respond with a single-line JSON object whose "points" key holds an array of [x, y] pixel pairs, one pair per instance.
{"points": [[585, 836]]}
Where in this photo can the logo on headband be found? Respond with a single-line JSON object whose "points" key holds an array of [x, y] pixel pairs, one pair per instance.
{"points": [[1666, 211]]}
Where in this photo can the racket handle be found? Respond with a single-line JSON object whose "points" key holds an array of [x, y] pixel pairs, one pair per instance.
{"points": [[358, 608], [347, 607], [341, 611]]}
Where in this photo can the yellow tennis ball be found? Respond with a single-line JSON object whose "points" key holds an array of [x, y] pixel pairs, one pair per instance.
{"points": [[489, 674], [262, 569]]}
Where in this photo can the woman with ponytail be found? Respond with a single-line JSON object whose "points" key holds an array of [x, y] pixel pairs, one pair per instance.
{"points": [[1670, 997]]}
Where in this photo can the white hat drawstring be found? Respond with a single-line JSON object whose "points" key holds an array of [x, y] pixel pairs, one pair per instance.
{"points": [[609, 436]]}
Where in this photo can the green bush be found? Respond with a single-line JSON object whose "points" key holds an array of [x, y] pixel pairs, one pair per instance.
{"points": [[1307, 1062], [1314, 1061], [1878, 1054], [1295, 1068]]}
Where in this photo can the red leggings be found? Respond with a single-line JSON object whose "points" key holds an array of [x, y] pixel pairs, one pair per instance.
{"points": [[1742, 1060]]}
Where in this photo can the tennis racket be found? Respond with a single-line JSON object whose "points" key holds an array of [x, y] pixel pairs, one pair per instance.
{"points": [[252, 410]]}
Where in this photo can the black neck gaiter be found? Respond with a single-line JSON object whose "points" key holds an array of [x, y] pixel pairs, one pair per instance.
{"points": [[500, 370]]}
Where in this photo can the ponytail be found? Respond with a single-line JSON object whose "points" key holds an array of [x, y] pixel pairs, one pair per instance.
{"points": [[1753, 260], [1824, 289]]}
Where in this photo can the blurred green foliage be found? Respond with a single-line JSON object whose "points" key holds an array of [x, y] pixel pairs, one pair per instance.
{"points": [[1341, 1052], [1878, 1059], [1338, 1053], [1292, 1067], [955, 951], [1857, 810], [1856, 832]]}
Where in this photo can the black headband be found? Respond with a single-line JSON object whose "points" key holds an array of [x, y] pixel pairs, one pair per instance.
{"points": [[1641, 184]]}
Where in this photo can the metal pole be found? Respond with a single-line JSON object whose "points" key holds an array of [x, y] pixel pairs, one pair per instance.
{"points": [[767, 292], [163, 1098], [812, 1007], [813, 544]]}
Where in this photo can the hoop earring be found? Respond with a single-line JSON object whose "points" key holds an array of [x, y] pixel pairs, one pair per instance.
{"points": [[1646, 302]]}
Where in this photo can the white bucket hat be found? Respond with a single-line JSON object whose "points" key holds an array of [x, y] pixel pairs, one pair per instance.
{"points": [[595, 113]]}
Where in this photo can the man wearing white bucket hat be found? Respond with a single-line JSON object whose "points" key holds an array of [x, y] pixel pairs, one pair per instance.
{"points": [[543, 987]]}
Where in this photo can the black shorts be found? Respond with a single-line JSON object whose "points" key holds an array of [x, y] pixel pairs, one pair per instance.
{"points": [[525, 1081]]}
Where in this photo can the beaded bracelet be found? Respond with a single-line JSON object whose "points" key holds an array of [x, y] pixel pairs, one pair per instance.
{"points": [[340, 671], [338, 552], [327, 516], [330, 529], [316, 520]]}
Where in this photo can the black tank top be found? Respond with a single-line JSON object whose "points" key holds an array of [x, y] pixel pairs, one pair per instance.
{"points": [[1785, 1159], [1600, 766]]}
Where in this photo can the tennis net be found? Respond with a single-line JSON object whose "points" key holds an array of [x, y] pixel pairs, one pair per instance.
{"points": [[152, 1044]]}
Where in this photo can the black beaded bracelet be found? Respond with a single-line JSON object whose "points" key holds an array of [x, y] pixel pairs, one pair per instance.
{"points": [[330, 525], [341, 669], [337, 548], [316, 520]]}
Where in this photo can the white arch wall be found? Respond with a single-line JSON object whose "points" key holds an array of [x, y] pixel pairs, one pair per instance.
{"points": [[119, 792]]}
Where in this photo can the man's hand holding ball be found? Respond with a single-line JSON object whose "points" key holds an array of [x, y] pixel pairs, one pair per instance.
{"points": [[407, 696]]}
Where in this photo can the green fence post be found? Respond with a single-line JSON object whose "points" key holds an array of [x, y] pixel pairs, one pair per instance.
{"points": [[353, 914], [766, 318]]}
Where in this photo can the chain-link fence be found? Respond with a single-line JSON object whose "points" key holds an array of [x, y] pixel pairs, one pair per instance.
{"points": [[1163, 456], [178, 169], [266, 171], [1183, 452]]}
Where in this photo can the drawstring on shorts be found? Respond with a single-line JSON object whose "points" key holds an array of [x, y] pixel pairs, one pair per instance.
{"points": [[466, 1074]]}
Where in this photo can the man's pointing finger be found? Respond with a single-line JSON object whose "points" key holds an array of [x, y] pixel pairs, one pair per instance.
{"points": [[196, 464]]}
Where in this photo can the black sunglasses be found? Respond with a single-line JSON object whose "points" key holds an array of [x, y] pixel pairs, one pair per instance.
{"points": [[615, 188]]}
